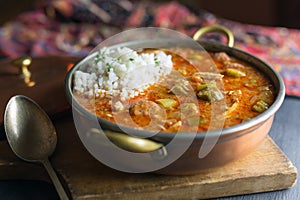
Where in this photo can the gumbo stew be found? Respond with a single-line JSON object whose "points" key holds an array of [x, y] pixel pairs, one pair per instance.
{"points": [[201, 90]]}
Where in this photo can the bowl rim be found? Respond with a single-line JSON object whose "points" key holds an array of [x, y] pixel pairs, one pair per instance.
{"points": [[249, 126]]}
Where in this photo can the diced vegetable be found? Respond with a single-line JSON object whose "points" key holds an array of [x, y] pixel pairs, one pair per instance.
{"points": [[167, 103], [246, 119], [264, 88], [196, 56], [209, 92], [234, 73], [266, 96], [202, 86], [260, 106], [195, 121]]}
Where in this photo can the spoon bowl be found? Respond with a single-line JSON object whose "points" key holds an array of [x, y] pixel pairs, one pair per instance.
{"points": [[31, 134], [29, 131]]}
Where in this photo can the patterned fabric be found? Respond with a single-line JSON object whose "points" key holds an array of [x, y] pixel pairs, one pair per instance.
{"points": [[68, 27]]}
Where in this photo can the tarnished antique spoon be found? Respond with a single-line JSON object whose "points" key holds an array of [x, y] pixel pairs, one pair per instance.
{"points": [[31, 135]]}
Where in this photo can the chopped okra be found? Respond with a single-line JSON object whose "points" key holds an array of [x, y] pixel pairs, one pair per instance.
{"points": [[195, 121], [203, 86], [260, 106], [209, 92], [264, 88], [167, 103], [235, 73]]}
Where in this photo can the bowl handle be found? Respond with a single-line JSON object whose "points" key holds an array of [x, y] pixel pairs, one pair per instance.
{"points": [[23, 63], [216, 28], [133, 144]]}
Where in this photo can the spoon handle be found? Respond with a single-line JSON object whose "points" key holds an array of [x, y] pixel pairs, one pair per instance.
{"points": [[60, 190]]}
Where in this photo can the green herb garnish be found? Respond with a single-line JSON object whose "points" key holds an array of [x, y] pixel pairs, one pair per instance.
{"points": [[156, 61], [108, 66], [99, 57]]}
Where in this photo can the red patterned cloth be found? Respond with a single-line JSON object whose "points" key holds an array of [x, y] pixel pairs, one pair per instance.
{"points": [[68, 27]]}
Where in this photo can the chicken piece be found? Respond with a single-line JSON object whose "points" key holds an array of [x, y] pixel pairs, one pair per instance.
{"points": [[204, 76], [234, 65], [147, 108], [181, 88], [189, 109], [222, 57], [234, 96]]}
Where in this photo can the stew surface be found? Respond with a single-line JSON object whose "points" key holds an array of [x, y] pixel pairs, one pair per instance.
{"points": [[203, 92]]}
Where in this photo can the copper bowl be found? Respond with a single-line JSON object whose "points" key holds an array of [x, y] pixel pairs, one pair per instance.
{"points": [[233, 143]]}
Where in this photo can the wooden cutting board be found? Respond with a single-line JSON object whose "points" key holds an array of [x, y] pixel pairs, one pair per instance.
{"points": [[265, 169]]}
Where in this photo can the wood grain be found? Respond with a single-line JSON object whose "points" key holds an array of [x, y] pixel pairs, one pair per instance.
{"points": [[265, 169]]}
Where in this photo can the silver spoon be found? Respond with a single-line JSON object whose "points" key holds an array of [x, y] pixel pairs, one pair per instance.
{"points": [[31, 135]]}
